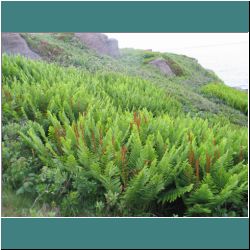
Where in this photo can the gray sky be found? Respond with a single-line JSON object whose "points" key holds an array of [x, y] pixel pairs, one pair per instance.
{"points": [[225, 53]]}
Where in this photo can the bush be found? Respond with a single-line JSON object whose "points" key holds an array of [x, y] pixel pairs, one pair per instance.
{"points": [[232, 97]]}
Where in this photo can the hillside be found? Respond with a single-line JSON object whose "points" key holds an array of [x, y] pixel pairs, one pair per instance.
{"points": [[139, 134], [186, 85]]}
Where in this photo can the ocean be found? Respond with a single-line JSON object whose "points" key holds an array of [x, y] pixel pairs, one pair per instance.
{"points": [[229, 62], [227, 54]]}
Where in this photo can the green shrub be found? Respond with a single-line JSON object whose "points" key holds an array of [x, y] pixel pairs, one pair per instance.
{"points": [[232, 97]]}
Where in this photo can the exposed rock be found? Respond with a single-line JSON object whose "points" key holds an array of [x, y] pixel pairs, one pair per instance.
{"points": [[100, 43], [13, 43], [162, 65]]}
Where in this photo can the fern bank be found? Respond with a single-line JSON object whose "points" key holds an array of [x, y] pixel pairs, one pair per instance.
{"points": [[117, 145]]}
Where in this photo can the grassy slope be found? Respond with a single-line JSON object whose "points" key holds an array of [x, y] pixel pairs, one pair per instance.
{"points": [[65, 49]]}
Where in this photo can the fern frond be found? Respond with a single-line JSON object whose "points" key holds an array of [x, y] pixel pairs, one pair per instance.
{"points": [[174, 194]]}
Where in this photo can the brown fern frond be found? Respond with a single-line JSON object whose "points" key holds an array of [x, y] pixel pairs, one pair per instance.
{"points": [[208, 163], [82, 133], [123, 158], [75, 128], [214, 142], [137, 120], [197, 169], [241, 154]]}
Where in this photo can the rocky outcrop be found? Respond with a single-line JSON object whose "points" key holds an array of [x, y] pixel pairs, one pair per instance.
{"points": [[13, 43], [100, 43], [163, 66]]}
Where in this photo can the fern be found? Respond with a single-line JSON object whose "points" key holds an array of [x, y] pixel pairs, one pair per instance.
{"points": [[119, 141], [174, 194]]}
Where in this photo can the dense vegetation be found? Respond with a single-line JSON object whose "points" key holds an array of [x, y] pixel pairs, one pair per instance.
{"points": [[110, 144], [65, 49], [235, 98]]}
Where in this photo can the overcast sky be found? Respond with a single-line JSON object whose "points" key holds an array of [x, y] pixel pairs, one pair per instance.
{"points": [[225, 53]]}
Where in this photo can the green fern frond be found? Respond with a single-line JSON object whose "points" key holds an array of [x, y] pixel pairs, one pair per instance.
{"points": [[174, 194]]}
